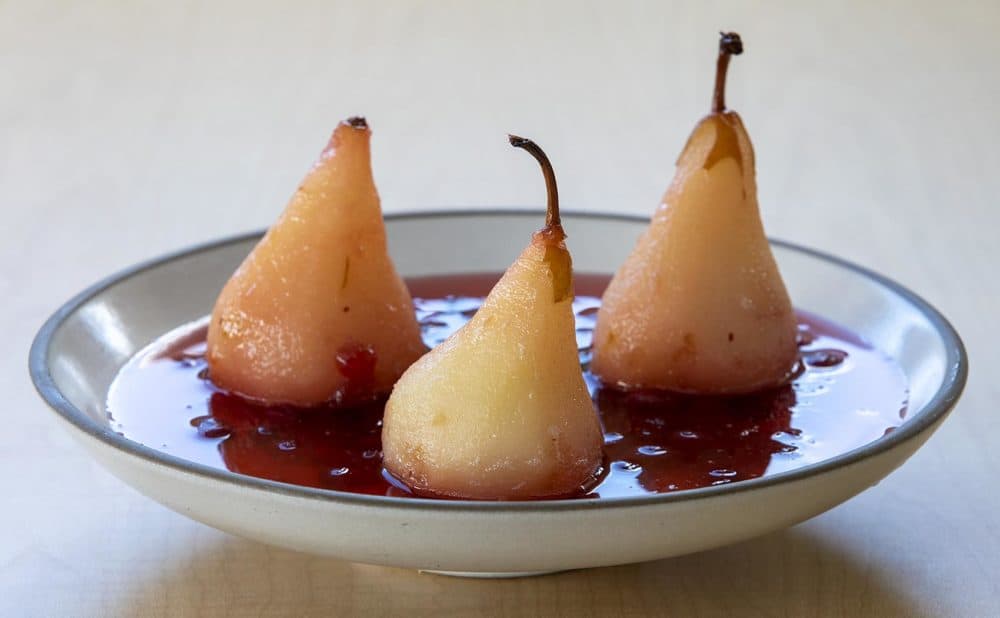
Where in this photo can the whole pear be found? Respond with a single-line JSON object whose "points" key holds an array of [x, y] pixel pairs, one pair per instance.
{"points": [[317, 312], [699, 305], [500, 409]]}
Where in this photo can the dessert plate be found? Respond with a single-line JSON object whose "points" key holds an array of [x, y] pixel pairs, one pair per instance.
{"points": [[79, 350]]}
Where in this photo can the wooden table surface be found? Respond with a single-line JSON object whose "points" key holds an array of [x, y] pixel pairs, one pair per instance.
{"points": [[128, 129]]}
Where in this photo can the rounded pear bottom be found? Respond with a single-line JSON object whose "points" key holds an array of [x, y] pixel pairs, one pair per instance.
{"points": [[581, 480]]}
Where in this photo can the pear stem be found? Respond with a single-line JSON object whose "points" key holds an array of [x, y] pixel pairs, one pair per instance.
{"points": [[552, 212], [730, 45], [358, 122]]}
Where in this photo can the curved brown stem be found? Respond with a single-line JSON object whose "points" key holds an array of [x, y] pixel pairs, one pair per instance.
{"points": [[730, 45], [552, 212]]}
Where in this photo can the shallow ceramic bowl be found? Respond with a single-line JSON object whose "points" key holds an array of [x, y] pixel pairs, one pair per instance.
{"points": [[79, 350]]}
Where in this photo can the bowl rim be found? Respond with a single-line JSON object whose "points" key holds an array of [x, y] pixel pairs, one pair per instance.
{"points": [[940, 404]]}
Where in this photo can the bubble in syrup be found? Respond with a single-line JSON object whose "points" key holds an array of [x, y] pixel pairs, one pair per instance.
{"points": [[824, 358]]}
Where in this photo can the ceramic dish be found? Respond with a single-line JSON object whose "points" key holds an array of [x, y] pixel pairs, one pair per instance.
{"points": [[79, 350]]}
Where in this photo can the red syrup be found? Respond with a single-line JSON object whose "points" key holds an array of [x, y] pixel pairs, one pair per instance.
{"points": [[846, 395]]}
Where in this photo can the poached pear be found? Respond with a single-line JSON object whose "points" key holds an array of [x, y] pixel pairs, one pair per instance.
{"points": [[317, 312], [500, 410], [699, 305]]}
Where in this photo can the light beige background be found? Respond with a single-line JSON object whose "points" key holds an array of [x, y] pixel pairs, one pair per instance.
{"points": [[130, 129]]}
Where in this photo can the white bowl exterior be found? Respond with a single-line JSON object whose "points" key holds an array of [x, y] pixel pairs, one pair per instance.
{"points": [[95, 340], [500, 541]]}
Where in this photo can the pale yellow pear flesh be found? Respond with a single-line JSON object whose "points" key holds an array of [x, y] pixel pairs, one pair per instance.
{"points": [[699, 305], [500, 410], [317, 312]]}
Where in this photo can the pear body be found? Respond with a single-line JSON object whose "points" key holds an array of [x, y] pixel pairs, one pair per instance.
{"points": [[699, 305], [317, 312], [500, 410]]}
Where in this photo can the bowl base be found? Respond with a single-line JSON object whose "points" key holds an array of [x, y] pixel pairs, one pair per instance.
{"points": [[489, 575]]}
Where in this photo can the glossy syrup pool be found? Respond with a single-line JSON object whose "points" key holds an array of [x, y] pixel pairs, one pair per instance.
{"points": [[847, 395]]}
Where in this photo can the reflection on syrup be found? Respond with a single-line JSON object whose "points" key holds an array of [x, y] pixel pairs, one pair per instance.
{"points": [[676, 442], [317, 447], [844, 396]]}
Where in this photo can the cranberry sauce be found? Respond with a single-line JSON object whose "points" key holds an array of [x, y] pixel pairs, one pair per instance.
{"points": [[846, 395]]}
